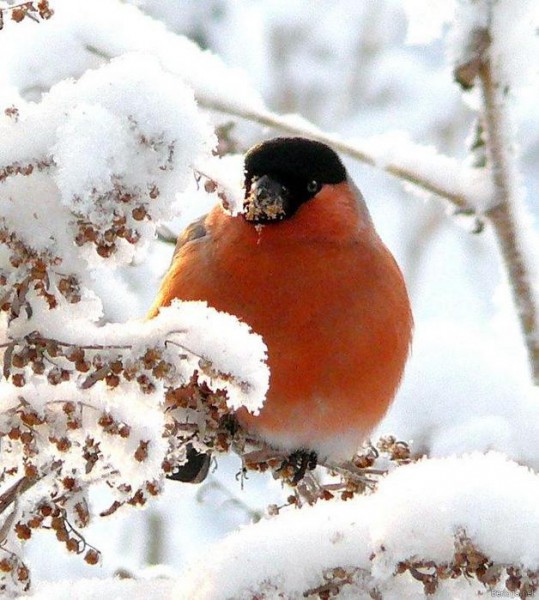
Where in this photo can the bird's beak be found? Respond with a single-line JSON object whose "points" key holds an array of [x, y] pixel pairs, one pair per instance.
{"points": [[266, 201]]}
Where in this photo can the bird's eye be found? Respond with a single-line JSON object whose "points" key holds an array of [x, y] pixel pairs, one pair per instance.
{"points": [[313, 186]]}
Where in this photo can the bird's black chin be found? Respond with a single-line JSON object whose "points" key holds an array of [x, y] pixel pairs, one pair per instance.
{"points": [[267, 201]]}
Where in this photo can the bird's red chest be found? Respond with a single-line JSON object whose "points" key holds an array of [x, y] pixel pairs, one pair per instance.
{"points": [[330, 302]]}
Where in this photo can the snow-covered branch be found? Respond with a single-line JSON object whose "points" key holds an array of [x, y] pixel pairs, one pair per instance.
{"points": [[85, 176], [464, 189], [428, 527]]}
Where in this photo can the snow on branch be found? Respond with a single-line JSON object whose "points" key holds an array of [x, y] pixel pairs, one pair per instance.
{"points": [[459, 525], [466, 190], [87, 174], [227, 91]]}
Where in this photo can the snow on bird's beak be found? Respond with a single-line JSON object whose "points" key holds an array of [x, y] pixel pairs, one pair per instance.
{"points": [[266, 201]]}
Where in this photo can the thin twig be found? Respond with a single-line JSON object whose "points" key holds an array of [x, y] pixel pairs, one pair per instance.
{"points": [[502, 215], [269, 119], [16, 490]]}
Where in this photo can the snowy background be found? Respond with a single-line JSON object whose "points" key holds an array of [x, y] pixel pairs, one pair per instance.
{"points": [[357, 69]]}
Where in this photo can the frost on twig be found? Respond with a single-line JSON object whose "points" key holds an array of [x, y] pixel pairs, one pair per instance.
{"points": [[418, 165], [484, 60]]}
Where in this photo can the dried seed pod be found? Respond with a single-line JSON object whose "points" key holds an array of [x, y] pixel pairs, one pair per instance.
{"points": [[124, 431], [30, 471], [23, 574], [14, 433], [18, 380], [141, 453], [57, 523], [19, 360], [69, 483], [35, 522], [116, 366], [63, 444], [69, 408], [6, 565], [62, 535], [139, 213], [91, 557], [72, 545], [23, 531], [75, 354], [82, 366], [38, 367], [112, 380]]}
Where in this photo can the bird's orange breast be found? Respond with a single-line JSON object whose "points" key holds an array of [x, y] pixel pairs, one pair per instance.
{"points": [[328, 299]]}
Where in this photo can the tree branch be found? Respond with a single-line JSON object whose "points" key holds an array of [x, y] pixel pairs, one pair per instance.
{"points": [[503, 215], [502, 173], [291, 125]]}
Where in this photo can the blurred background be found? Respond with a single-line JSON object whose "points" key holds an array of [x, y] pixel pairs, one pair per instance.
{"points": [[345, 65]]}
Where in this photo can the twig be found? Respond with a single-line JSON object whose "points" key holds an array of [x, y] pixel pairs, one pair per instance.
{"points": [[263, 117], [502, 215], [16, 490]]}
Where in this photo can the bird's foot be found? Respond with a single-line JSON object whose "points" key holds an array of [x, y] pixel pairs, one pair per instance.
{"points": [[299, 462]]}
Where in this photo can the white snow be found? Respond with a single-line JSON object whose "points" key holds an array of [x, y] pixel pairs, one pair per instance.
{"points": [[97, 589], [415, 514], [344, 67], [426, 19], [80, 34]]}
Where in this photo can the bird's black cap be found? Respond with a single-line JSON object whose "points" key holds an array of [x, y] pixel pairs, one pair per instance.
{"points": [[299, 165]]}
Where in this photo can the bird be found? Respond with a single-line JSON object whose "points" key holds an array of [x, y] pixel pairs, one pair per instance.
{"points": [[304, 267]]}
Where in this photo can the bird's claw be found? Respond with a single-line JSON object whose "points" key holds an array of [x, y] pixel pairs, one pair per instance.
{"points": [[299, 462]]}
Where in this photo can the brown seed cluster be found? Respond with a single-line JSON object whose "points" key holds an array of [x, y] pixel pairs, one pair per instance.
{"points": [[110, 227], [14, 574], [33, 271], [334, 581], [31, 10], [469, 562], [61, 423], [58, 361]]}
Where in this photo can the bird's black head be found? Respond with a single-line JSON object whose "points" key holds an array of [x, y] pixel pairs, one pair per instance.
{"points": [[283, 173]]}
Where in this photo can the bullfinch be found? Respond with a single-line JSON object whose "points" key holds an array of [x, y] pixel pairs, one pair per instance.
{"points": [[303, 266]]}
